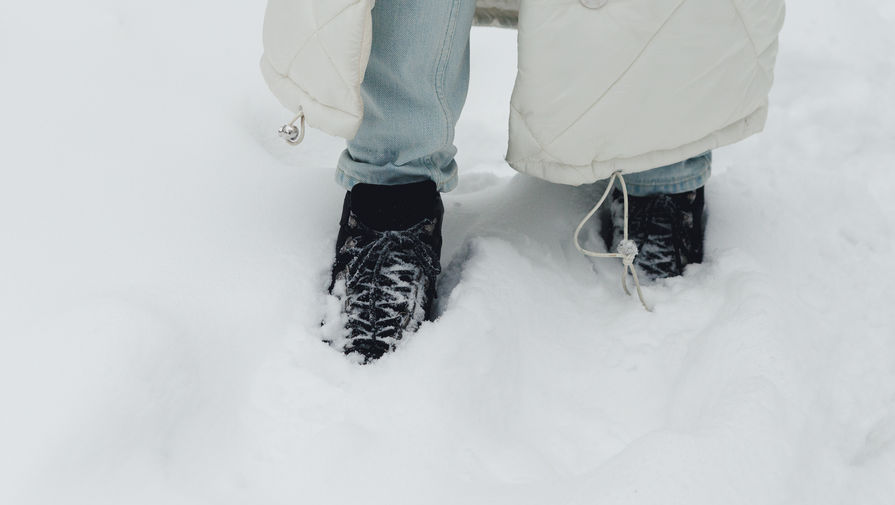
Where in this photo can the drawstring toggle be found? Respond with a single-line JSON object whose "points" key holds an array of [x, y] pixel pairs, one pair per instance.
{"points": [[627, 249], [292, 134]]}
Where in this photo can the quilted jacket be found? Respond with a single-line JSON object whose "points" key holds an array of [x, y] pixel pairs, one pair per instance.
{"points": [[602, 85]]}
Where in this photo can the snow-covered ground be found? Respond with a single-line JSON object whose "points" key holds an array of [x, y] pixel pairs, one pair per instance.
{"points": [[163, 258]]}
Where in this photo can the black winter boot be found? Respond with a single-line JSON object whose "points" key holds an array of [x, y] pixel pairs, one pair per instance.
{"points": [[668, 229], [388, 255]]}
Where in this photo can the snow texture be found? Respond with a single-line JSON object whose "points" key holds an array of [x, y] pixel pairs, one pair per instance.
{"points": [[164, 260]]}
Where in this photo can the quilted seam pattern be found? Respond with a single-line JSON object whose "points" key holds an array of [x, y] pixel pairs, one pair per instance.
{"points": [[544, 146], [631, 86], [315, 57]]}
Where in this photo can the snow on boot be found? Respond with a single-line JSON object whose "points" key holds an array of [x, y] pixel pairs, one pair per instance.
{"points": [[668, 229], [388, 255]]}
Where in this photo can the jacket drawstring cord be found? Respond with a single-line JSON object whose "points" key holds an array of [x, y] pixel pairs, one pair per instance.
{"points": [[292, 134], [627, 249]]}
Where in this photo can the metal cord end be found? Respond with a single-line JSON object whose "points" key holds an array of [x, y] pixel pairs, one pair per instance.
{"points": [[292, 134]]}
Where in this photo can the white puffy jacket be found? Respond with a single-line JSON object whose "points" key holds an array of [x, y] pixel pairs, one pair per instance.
{"points": [[603, 85]]}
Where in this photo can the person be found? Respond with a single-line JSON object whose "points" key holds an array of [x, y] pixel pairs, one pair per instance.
{"points": [[639, 91]]}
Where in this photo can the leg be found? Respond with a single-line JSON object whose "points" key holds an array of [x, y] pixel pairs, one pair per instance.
{"points": [[414, 89], [666, 222], [389, 245]]}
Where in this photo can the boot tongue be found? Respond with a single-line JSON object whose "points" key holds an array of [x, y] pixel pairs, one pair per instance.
{"points": [[387, 208]]}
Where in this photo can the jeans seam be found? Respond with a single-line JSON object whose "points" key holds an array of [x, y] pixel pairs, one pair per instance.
{"points": [[441, 67]]}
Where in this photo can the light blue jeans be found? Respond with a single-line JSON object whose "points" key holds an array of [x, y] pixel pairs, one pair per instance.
{"points": [[414, 91]]}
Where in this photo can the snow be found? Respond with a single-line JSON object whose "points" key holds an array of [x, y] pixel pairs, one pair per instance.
{"points": [[163, 257]]}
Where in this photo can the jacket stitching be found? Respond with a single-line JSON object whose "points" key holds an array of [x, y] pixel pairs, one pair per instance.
{"points": [[646, 46], [332, 62], [755, 51], [758, 54], [323, 46], [317, 29], [313, 35], [530, 134], [531, 163], [292, 81], [736, 9]]}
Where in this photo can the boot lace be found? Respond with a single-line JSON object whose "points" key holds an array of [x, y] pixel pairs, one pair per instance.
{"points": [[389, 281]]}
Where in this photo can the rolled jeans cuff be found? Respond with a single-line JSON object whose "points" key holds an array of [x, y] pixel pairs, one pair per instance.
{"points": [[439, 168], [682, 177]]}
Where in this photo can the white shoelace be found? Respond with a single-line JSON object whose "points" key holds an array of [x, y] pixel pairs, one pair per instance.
{"points": [[626, 250]]}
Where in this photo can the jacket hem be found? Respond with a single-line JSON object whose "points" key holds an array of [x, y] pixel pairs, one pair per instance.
{"points": [[575, 175], [324, 117]]}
